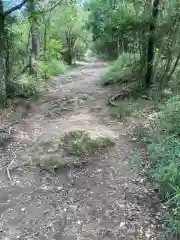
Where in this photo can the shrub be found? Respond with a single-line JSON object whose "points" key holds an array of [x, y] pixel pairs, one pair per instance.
{"points": [[164, 153], [166, 174], [51, 68], [169, 117], [22, 87], [122, 70]]}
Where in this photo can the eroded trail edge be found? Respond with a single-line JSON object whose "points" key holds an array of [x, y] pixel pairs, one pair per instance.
{"points": [[103, 199]]}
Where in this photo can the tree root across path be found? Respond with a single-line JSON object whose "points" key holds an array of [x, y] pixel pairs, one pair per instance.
{"points": [[118, 96], [126, 94]]}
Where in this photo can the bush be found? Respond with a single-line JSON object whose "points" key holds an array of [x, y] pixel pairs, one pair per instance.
{"points": [[166, 174], [23, 87], [51, 68], [164, 153], [122, 70], [169, 117]]}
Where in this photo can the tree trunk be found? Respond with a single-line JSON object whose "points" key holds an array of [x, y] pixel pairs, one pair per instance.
{"points": [[46, 22], [70, 50], [35, 39], [2, 56], [150, 44]]}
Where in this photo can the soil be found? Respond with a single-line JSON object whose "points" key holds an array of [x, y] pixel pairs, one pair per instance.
{"points": [[105, 199]]}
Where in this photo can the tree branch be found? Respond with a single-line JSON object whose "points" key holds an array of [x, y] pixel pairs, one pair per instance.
{"points": [[17, 7]]}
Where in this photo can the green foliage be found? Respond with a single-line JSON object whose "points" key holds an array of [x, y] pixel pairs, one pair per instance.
{"points": [[57, 34], [166, 174], [114, 25], [19, 89], [124, 69], [51, 68], [68, 23], [164, 166], [169, 117]]}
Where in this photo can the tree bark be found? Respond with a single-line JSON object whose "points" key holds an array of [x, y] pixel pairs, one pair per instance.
{"points": [[35, 39], [151, 43], [70, 48], [2, 55]]}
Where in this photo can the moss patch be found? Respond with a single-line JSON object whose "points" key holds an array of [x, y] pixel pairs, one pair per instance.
{"points": [[69, 150], [80, 142]]}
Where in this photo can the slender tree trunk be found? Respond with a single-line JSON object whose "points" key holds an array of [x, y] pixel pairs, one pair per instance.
{"points": [[2, 55], [35, 39], [151, 43], [45, 42], [46, 22], [69, 53]]}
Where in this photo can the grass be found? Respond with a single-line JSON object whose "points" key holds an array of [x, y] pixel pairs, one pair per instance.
{"points": [[81, 142], [163, 148], [49, 154], [131, 108], [122, 70], [51, 68], [122, 110]]}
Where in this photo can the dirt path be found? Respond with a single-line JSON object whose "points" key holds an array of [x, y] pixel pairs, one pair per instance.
{"points": [[103, 200]]}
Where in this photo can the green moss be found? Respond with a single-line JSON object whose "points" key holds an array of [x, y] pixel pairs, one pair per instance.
{"points": [[58, 152], [80, 142]]}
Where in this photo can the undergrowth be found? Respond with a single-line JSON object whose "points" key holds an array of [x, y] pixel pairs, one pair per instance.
{"points": [[28, 86], [51, 68], [122, 70], [163, 147], [121, 110], [159, 129]]}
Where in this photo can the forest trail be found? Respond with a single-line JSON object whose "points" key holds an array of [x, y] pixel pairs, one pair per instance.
{"points": [[102, 200]]}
